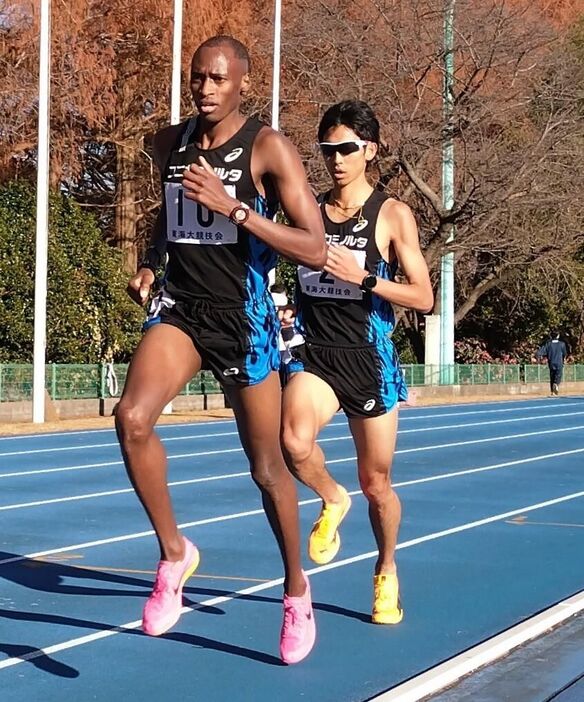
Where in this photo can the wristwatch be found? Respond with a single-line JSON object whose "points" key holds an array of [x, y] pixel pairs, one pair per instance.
{"points": [[152, 260], [368, 283], [239, 214]]}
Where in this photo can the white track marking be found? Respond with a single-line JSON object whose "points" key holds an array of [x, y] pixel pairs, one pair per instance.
{"points": [[320, 441], [129, 626], [189, 437], [449, 672], [225, 476]]}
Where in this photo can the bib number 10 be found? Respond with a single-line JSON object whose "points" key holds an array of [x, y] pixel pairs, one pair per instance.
{"points": [[190, 222], [204, 216]]}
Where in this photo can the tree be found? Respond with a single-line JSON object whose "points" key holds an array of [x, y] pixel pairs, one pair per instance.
{"points": [[89, 316], [110, 88], [517, 125]]}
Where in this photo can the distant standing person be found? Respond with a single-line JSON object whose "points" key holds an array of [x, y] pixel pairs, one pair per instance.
{"points": [[555, 351]]}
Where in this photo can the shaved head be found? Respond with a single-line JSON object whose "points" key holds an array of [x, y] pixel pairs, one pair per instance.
{"points": [[224, 41]]}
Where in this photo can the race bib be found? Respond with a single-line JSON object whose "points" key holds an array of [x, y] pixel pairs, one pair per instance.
{"points": [[323, 284], [189, 222]]}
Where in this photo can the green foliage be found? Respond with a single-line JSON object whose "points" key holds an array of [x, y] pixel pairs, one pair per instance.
{"points": [[89, 316], [510, 327], [286, 275], [407, 354]]}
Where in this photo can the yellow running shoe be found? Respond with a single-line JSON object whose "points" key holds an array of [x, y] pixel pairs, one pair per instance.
{"points": [[386, 605], [324, 541]]}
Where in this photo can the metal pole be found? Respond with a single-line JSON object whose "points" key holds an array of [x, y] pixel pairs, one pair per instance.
{"points": [[42, 218], [447, 261], [176, 88], [276, 88], [176, 62], [276, 64]]}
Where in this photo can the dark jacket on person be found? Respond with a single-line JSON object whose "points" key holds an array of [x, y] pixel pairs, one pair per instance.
{"points": [[555, 351]]}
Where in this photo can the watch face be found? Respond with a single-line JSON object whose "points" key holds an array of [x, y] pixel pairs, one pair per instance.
{"points": [[241, 214]]}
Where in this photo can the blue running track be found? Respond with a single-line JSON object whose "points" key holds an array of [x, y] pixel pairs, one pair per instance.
{"points": [[492, 533]]}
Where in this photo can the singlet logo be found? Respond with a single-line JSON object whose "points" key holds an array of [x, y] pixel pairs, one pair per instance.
{"points": [[233, 155], [176, 171], [232, 175], [352, 242], [369, 405], [360, 225], [231, 371]]}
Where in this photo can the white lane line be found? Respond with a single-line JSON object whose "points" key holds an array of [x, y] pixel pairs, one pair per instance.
{"points": [[439, 415], [81, 447], [49, 434], [449, 672], [104, 464], [129, 626], [519, 405], [188, 437], [345, 437], [229, 517], [467, 443], [164, 439], [482, 423], [453, 474], [483, 469], [122, 491]]}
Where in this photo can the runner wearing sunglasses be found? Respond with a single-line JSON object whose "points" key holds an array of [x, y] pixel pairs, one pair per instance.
{"points": [[345, 311]]}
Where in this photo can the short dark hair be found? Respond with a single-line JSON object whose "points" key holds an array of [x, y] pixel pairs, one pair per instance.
{"points": [[354, 114], [239, 50], [555, 334], [278, 288]]}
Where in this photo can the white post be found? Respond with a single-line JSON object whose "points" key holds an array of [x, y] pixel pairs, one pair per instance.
{"points": [[432, 349], [176, 62], [175, 89], [447, 261], [42, 218], [276, 64], [276, 88]]}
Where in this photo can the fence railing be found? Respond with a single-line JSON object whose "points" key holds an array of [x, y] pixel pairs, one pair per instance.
{"points": [[65, 381], [79, 381]]}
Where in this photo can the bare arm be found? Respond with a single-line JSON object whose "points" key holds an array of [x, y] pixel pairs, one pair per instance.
{"points": [[139, 286], [274, 156], [304, 241], [399, 230]]}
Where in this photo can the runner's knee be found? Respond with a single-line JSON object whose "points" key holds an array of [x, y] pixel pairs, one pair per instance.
{"points": [[298, 442], [267, 469], [132, 422], [375, 485]]}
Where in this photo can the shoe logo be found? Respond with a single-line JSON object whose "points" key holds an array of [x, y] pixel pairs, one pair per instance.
{"points": [[360, 225], [369, 405], [233, 155], [231, 371]]}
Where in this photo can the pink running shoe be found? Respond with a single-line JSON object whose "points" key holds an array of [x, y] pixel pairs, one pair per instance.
{"points": [[298, 628], [163, 607]]}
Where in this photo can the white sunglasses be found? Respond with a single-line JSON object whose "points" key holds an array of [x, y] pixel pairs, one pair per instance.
{"points": [[344, 148]]}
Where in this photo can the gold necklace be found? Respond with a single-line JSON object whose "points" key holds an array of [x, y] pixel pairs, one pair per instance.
{"points": [[335, 203], [359, 216]]}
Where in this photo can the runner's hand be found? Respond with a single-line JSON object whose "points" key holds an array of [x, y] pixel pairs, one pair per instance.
{"points": [[139, 286], [201, 184], [341, 262], [287, 316]]}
